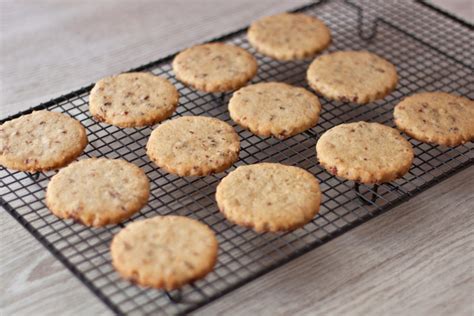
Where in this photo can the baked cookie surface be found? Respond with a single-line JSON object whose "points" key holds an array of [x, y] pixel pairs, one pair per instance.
{"points": [[133, 99], [436, 117], [275, 109], [98, 191], [215, 67], [365, 152], [194, 146], [164, 251], [41, 141], [352, 76], [289, 36], [269, 197]]}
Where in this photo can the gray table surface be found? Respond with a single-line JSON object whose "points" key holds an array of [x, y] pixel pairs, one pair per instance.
{"points": [[417, 259]]}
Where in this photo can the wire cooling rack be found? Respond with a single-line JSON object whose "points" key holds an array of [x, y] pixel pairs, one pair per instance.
{"points": [[432, 51]]}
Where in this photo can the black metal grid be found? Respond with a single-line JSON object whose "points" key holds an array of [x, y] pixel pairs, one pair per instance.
{"points": [[432, 51]]}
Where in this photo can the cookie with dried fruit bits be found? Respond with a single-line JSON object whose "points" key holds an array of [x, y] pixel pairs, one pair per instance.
{"points": [[194, 146], [352, 76], [365, 152], [215, 67], [289, 36], [133, 99], [436, 117], [98, 191], [269, 197], [274, 108], [41, 141], [164, 252]]}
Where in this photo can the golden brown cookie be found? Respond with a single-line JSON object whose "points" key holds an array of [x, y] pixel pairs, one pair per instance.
{"points": [[98, 191], [365, 152], [436, 117], [194, 146], [289, 36], [164, 252], [269, 197], [274, 108], [215, 67], [41, 141], [352, 76], [133, 99]]}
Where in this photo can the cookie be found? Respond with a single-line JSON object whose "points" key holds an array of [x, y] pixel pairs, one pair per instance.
{"points": [[352, 76], [194, 146], [98, 191], [215, 67], [436, 117], [164, 252], [269, 197], [289, 36], [274, 108], [133, 99], [41, 141], [365, 152]]}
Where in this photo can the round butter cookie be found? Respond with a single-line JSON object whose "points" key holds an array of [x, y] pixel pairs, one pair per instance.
{"points": [[133, 99], [98, 191], [275, 109], [436, 117], [164, 252], [269, 197], [194, 146], [289, 36], [215, 67], [365, 152], [41, 141], [352, 76]]}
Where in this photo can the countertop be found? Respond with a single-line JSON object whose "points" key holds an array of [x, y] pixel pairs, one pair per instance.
{"points": [[416, 259]]}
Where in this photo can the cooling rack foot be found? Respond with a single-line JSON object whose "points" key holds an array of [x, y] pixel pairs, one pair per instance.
{"points": [[175, 296], [364, 199], [219, 97], [33, 176], [367, 29]]}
